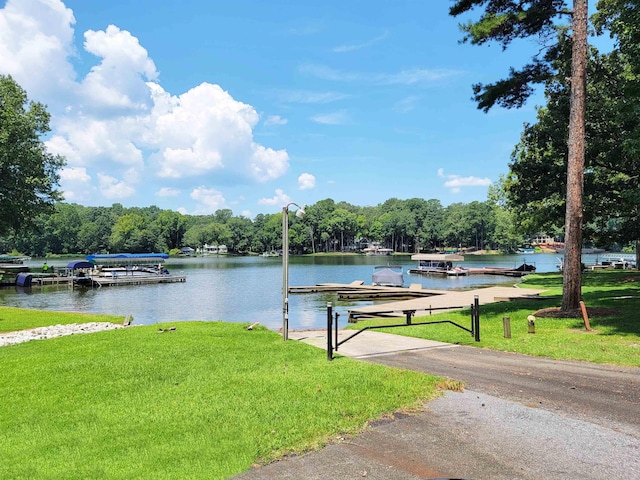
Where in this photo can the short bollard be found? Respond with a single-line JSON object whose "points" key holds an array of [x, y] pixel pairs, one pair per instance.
{"points": [[506, 325], [531, 323]]}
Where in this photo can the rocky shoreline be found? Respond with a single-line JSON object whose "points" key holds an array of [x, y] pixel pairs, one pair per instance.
{"points": [[43, 333]]}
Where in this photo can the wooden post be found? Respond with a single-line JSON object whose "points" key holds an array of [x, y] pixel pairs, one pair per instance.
{"points": [[531, 324], [585, 316], [506, 325]]}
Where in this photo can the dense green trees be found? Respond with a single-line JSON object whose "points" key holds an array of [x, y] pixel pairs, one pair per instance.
{"points": [[28, 173], [536, 184], [405, 225]]}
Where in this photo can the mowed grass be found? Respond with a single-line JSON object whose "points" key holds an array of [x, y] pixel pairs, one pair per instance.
{"points": [[206, 400], [614, 339], [12, 319]]}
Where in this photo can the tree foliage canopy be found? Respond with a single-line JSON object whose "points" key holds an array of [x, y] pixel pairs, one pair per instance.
{"points": [[504, 21], [29, 174]]}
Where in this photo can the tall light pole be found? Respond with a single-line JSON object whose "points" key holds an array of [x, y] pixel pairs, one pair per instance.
{"points": [[285, 266]]}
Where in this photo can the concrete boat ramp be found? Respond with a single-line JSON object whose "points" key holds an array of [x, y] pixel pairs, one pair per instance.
{"points": [[423, 300]]}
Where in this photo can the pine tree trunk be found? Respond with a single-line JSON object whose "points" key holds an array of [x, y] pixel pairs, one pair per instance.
{"points": [[572, 270]]}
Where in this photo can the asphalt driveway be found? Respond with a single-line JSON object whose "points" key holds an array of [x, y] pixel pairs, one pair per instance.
{"points": [[520, 417]]}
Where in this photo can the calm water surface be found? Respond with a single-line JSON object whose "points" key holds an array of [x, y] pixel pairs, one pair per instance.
{"points": [[249, 289]]}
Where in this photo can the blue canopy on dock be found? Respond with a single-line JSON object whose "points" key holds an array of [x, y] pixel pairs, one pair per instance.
{"points": [[126, 258], [79, 264]]}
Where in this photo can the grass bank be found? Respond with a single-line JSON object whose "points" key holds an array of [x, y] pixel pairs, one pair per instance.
{"points": [[12, 319], [613, 295], [206, 400]]}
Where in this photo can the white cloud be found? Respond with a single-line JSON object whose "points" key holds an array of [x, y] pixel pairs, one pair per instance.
{"points": [[117, 119], [275, 120], [304, 30], [306, 181], [35, 44], [305, 96], [118, 82], [168, 192], [75, 182], [206, 130], [112, 188], [406, 104], [334, 118], [456, 182], [208, 200], [359, 46], [414, 76], [280, 199]]}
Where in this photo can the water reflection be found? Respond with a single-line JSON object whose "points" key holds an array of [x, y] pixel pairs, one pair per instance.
{"points": [[248, 289]]}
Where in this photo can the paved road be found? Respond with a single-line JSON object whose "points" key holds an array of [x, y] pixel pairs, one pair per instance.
{"points": [[520, 417], [605, 395]]}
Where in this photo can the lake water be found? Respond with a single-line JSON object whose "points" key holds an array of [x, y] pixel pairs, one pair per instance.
{"points": [[249, 289]]}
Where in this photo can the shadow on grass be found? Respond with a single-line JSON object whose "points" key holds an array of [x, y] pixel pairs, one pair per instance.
{"points": [[617, 290], [601, 278]]}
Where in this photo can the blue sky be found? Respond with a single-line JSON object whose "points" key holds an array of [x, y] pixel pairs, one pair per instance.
{"points": [[197, 105]]}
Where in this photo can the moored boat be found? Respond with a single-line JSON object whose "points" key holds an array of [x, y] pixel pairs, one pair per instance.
{"points": [[436, 263], [126, 269], [388, 275]]}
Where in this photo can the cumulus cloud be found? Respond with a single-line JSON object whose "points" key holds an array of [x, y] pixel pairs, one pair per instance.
{"points": [[306, 181], [113, 188], [118, 82], [116, 123], [456, 182], [75, 182], [208, 200], [168, 192], [204, 130], [280, 199], [35, 44]]}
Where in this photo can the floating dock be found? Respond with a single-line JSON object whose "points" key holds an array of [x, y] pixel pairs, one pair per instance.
{"points": [[422, 300], [447, 299], [97, 282]]}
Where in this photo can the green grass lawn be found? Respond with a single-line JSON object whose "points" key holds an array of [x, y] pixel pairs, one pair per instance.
{"points": [[615, 337], [207, 400], [12, 319]]}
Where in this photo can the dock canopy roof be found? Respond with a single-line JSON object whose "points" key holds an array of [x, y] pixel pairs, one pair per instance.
{"points": [[127, 258], [443, 257], [79, 264]]}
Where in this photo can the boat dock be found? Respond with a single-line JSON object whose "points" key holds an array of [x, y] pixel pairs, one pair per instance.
{"points": [[97, 282], [507, 272], [120, 280], [416, 299], [359, 291], [445, 300]]}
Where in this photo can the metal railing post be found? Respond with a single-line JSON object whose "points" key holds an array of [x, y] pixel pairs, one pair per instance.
{"points": [[335, 331], [476, 308], [329, 335]]}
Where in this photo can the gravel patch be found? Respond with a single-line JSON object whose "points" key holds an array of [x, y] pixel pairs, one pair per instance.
{"points": [[43, 333]]}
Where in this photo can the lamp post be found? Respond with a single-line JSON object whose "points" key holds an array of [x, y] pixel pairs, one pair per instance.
{"points": [[285, 266]]}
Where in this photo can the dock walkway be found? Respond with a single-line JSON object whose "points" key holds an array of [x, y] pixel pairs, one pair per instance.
{"points": [[446, 299]]}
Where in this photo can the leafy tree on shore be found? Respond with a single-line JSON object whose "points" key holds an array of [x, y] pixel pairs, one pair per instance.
{"points": [[505, 21], [28, 173]]}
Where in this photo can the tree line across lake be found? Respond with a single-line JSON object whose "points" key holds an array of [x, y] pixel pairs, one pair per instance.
{"points": [[404, 225]]}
